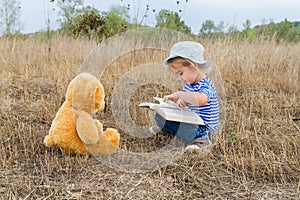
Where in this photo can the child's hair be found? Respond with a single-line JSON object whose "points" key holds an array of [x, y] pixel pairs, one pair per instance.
{"points": [[186, 63]]}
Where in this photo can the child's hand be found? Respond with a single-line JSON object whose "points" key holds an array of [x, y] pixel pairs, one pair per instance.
{"points": [[173, 97], [170, 97], [181, 103]]}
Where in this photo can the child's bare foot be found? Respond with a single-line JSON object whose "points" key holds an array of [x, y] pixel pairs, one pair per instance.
{"points": [[197, 144]]}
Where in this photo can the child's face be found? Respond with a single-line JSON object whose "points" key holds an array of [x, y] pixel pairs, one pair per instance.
{"points": [[187, 74]]}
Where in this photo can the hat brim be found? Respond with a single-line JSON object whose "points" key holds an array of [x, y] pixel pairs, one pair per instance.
{"points": [[203, 62], [169, 58]]}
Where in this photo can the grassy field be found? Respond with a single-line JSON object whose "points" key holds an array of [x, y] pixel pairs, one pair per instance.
{"points": [[256, 155]]}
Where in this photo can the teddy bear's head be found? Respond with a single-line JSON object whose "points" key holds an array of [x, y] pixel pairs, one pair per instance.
{"points": [[86, 93]]}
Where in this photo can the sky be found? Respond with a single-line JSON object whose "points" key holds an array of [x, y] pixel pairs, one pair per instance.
{"points": [[35, 13]]}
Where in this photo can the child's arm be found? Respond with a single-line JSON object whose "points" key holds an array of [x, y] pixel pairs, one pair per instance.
{"points": [[181, 98]]}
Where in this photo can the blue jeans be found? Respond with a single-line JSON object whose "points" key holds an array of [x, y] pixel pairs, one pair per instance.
{"points": [[188, 132]]}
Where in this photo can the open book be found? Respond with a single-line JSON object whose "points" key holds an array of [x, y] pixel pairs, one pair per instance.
{"points": [[170, 111]]}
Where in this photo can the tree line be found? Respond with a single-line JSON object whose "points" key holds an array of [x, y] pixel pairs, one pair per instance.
{"points": [[86, 21]]}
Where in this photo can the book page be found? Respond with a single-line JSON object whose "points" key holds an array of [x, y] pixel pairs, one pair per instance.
{"points": [[147, 104], [180, 115], [169, 104], [170, 111]]}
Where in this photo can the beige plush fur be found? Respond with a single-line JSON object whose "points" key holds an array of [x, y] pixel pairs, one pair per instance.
{"points": [[73, 129]]}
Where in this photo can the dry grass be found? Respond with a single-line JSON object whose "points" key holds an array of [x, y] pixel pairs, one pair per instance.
{"points": [[256, 156]]}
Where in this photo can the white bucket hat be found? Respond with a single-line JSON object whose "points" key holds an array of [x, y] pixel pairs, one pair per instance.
{"points": [[190, 50]]}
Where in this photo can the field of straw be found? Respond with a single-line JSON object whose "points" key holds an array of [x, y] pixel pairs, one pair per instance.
{"points": [[256, 155]]}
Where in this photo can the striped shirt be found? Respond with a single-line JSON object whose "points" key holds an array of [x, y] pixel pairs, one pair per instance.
{"points": [[210, 111]]}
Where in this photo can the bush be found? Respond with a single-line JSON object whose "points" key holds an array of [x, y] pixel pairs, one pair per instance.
{"points": [[90, 23]]}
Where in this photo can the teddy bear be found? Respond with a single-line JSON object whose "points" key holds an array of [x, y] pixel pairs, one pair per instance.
{"points": [[73, 128]]}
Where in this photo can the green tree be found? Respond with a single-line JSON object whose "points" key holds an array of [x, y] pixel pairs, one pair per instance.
{"points": [[220, 27], [89, 23], [247, 24], [121, 11], [232, 29], [283, 31], [207, 28], [93, 24], [69, 10], [116, 21], [171, 20], [247, 32], [9, 16], [266, 31], [286, 31]]}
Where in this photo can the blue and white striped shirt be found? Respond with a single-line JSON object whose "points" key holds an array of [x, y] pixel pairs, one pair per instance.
{"points": [[210, 111]]}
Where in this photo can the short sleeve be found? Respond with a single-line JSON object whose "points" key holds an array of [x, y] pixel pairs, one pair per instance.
{"points": [[205, 89]]}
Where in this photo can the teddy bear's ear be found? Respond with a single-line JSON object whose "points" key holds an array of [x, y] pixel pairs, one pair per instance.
{"points": [[99, 97], [70, 90]]}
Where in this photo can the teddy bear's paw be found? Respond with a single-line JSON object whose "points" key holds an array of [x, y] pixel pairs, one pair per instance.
{"points": [[108, 143], [113, 136], [48, 141]]}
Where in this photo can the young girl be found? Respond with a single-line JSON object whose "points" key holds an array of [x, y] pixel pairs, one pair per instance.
{"points": [[199, 94]]}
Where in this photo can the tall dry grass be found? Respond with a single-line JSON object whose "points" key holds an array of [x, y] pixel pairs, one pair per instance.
{"points": [[256, 156]]}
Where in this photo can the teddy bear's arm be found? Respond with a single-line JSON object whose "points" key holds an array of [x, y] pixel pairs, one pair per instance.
{"points": [[86, 128]]}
